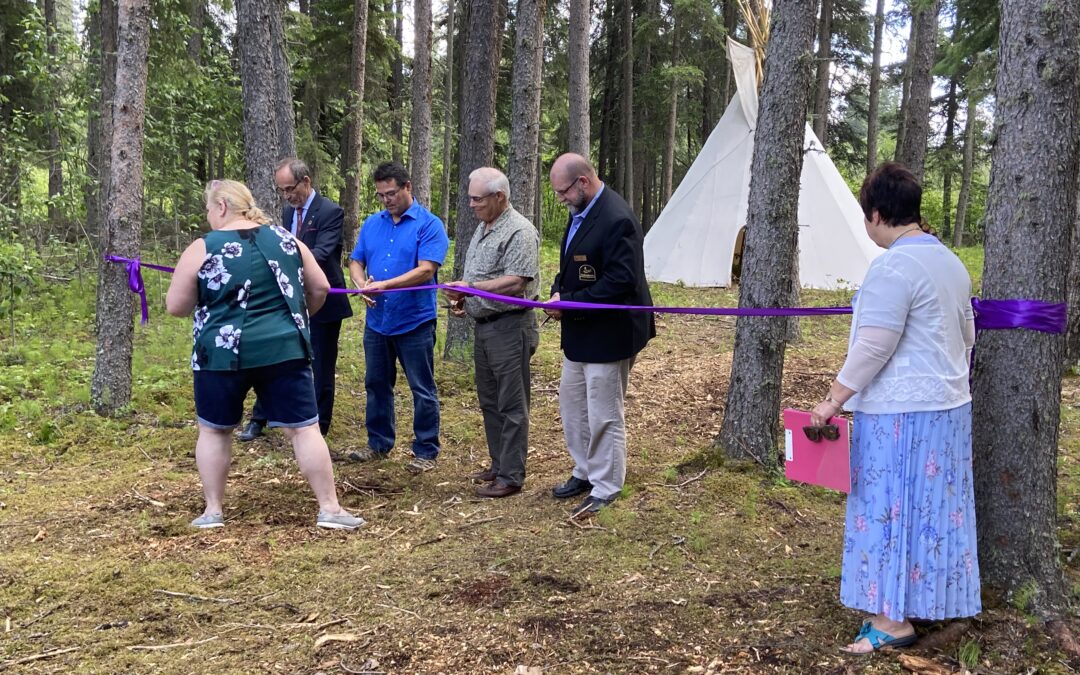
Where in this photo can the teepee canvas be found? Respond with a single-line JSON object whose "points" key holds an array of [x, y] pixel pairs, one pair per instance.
{"points": [[696, 239]]}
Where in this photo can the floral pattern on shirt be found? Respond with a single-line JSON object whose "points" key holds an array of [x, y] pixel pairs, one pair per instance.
{"points": [[232, 249], [282, 278], [228, 338], [214, 272]]}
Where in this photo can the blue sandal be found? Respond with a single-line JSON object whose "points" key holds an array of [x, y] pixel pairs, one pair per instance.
{"points": [[879, 639]]}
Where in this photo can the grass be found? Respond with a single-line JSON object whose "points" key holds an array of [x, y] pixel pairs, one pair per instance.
{"points": [[736, 570]]}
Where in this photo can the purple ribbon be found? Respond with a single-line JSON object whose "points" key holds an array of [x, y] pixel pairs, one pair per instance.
{"points": [[1048, 317], [989, 314]]}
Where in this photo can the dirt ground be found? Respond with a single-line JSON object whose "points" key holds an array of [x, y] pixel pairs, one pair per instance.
{"points": [[722, 570]]}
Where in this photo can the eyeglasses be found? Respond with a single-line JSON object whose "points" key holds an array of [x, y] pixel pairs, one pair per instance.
{"points": [[562, 192], [289, 190], [828, 432], [473, 199], [388, 195]]}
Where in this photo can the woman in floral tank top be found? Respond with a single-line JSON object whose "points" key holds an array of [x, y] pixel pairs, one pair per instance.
{"points": [[249, 286]]}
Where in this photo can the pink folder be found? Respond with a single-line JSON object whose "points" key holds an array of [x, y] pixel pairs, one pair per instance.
{"points": [[825, 463]]}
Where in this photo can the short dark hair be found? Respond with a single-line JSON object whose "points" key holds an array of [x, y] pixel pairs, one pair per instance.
{"points": [[894, 192], [391, 170], [297, 167]]}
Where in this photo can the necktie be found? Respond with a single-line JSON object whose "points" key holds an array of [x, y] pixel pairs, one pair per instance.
{"points": [[299, 222]]}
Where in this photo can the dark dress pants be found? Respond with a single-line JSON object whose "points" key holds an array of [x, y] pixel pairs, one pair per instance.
{"points": [[324, 353]]}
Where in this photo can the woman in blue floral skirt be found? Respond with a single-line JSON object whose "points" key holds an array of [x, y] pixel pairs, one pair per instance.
{"points": [[249, 286], [910, 549]]}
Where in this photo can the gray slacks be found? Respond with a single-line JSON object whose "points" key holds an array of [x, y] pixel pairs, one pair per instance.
{"points": [[591, 399], [502, 351]]}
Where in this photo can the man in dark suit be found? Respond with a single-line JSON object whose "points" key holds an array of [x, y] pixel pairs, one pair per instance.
{"points": [[600, 261], [316, 221]]}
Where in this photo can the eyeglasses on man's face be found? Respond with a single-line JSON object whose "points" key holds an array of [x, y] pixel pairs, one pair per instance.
{"points": [[289, 189], [388, 195], [562, 192], [474, 199]]}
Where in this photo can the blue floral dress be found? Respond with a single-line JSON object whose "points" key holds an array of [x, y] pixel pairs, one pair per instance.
{"points": [[910, 548]]}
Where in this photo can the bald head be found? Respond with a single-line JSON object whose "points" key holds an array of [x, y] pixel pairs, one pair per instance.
{"points": [[574, 181]]}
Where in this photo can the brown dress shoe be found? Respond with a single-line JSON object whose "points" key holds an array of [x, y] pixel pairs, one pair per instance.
{"points": [[497, 489], [485, 476]]}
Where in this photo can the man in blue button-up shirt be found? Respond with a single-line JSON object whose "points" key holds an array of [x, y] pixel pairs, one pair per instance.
{"points": [[398, 247]]}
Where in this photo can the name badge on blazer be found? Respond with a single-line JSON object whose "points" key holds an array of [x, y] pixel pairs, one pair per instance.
{"points": [[580, 258], [586, 273]]}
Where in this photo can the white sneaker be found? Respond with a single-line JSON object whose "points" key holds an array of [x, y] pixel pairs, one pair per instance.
{"points": [[209, 520], [339, 521]]}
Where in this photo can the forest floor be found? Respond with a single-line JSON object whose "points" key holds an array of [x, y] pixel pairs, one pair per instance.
{"points": [[719, 570]]}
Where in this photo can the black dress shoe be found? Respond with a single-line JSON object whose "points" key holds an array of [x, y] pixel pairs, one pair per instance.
{"points": [[590, 507], [571, 488], [252, 431], [485, 476], [497, 489]]}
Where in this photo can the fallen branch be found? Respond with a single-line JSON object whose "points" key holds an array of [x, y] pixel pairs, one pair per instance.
{"points": [[41, 616], [175, 645], [148, 500], [407, 611], [465, 526], [197, 598], [37, 657], [682, 484]]}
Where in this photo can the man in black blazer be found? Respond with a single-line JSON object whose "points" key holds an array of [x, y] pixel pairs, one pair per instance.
{"points": [[600, 261], [316, 221]]}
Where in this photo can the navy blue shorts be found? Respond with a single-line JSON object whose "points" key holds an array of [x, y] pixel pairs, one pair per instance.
{"points": [[286, 392]]}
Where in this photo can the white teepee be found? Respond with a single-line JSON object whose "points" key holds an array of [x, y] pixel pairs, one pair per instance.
{"points": [[694, 240]]}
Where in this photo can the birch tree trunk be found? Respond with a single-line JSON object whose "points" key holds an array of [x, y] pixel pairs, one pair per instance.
{"points": [[964, 198], [916, 123], [824, 62], [578, 90], [263, 108], [1030, 218], [448, 113], [420, 126], [875, 89], [354, 127], [483, 47], [525, 107], [110, 385], [750, 427]]}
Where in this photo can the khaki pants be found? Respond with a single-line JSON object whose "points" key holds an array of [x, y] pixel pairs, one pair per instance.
{"points": [[591, 399]]}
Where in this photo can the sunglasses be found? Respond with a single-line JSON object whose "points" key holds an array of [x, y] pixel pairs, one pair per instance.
{"points": [[828, 432]]}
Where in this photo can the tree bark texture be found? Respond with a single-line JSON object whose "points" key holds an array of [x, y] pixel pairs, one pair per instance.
{"points": [[261, 98], [448, 113], [525, 107], [110, 386], [354, 127], [483, 47], [283, 95], [1072, 334], [197, 12], [578, 90], [824, 63], [668, 176], [905, 85], [750, 427], [1030, 217], [912, 150], [964, 197], [99, 121], [948, 149], [875, 89], [397, 84], [420, 126]]}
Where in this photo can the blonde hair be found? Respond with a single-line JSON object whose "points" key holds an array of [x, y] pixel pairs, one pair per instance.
{"points": [[237, 198]]}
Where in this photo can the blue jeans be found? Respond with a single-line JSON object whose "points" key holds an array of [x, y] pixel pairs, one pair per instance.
{"points": [[415, 350]]}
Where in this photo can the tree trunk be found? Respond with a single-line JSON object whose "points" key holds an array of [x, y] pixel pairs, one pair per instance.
{"points": [[608, 155], [875, 89], [255, 25], [397, 87], [448, 112], [626, 160], [731, 20], [673, 116], [750, 427], [354, 126], [525, 113], [578, 89], [483, 49], [283, 96], [969, 168], [197, 14], [420, 127], [916, 123], [905, 86], [56, 164], [824, 63], [948, 148], [1029, 226], [100, 123], [110, 386]]}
